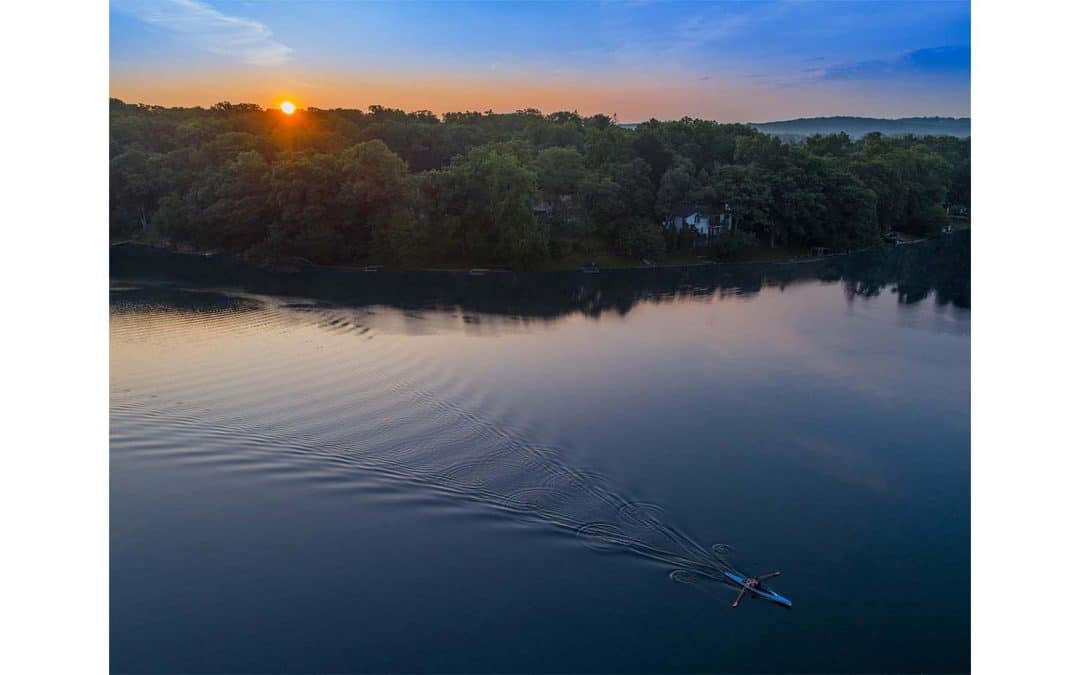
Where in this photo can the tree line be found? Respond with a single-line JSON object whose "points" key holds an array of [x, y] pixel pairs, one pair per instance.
{"points": [[411, 188]]}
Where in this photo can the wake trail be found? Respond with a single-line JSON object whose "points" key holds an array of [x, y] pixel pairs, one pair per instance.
{"points": [[390, 429]]}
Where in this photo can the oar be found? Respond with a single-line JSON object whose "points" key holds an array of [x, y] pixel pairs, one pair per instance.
{"points": [[742, 592], [768, 576]]}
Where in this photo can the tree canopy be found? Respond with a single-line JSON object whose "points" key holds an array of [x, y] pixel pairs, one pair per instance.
{"points": [[410, 188]]}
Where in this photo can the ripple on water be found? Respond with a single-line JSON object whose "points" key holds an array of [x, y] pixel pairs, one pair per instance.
{"points": [[305, 393]]}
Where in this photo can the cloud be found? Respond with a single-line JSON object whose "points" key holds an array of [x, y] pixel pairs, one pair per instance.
{"points": [[727, 23], [951, 59], [701, 30], [246, 39]]}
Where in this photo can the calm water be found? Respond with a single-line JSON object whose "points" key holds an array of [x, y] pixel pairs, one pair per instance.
{"points": [[330, 472]]}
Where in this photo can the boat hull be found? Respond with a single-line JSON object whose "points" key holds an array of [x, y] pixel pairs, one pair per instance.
{"points": [[759, 592]]}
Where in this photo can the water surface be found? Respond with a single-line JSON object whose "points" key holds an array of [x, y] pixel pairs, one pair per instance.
{"points": [[331, 472]]}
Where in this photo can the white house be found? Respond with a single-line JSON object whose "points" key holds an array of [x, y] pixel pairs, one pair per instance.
{"points": [[692, 217], [705, 224]]}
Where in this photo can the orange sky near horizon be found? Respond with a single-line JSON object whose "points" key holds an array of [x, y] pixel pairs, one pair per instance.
{"points": [[630, 98], [729, 62]]}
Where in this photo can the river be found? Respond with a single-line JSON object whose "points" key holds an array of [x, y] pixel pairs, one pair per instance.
{"points": [[339, 471]]}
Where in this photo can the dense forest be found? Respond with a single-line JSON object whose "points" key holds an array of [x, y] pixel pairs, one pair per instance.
{"points": [[521, 189]]}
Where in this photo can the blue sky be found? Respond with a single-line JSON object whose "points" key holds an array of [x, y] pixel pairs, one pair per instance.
{"points": [[732, 61]]}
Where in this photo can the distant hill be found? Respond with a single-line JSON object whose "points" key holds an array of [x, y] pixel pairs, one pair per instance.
{"points": [[857, 127]]}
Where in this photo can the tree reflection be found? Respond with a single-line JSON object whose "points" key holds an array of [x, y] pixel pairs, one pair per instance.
{"points": [[940, 268]]}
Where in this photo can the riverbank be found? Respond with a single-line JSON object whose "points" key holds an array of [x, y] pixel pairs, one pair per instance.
{"points": [[603, 261], [553, 293]]}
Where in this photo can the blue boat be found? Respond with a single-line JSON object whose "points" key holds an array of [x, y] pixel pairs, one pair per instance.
{"points": [[756, 589]]}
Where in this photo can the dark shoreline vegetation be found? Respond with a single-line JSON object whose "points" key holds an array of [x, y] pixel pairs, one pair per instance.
{"points": [[523, 190], [938, 268]]}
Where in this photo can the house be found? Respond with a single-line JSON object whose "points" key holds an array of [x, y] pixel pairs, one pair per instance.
{"points": [[723, 222], [707, 225], [561, 208], [543, 211], [958, 212], [694, 217]]}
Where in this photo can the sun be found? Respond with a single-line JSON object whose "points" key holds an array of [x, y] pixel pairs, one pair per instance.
{"points": [[288, 107]]}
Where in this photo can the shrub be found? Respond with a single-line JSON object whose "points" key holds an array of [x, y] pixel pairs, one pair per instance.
{"points": [[730, 245]]}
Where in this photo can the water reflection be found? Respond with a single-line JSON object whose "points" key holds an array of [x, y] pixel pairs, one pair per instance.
{"points": [[940, 268], [330, 458], [328, 432]]}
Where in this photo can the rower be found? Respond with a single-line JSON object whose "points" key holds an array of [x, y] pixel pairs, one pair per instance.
{"points": [[752, 583]]}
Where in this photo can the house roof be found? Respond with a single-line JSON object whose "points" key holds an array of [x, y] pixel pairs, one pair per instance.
{"points": [[684, 211]]}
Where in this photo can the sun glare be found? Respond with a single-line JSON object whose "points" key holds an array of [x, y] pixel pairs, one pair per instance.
{"points": [[288, 107]]}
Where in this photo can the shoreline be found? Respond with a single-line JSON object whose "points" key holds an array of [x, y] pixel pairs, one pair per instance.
{"points": [[554, 293], [297, 265]]}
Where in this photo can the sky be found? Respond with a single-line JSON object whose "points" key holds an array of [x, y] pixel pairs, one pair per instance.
{"points": [[727, 61]]}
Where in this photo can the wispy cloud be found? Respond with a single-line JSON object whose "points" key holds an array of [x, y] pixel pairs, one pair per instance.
{"points": [[731, 20], [935, 60], [950, 61], [700, 30], [248, 40]]}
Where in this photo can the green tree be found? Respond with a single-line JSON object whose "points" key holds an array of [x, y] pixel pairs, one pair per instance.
{"points": [[387, 185], [375, 194], [236, 203], [306, 189], [747, 190], [677, 187], [559, 171], [639, 238], [608, 145], [488, 196]]}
